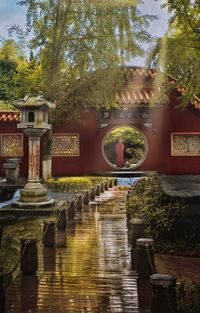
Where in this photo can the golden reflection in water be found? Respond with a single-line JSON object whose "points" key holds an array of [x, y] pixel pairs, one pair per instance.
{"points": [[91, 271]]}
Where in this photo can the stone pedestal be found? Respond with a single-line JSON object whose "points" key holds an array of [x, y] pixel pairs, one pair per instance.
{"points": [[12, 170]]}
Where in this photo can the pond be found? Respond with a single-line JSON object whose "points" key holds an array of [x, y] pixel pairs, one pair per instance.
{"points": [[14, 196], [89, 270]]}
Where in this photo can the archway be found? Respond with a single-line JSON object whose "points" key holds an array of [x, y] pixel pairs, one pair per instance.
{"points": [[124, 147]]}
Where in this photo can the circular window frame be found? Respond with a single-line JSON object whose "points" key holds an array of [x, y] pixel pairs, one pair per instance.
{"points": [[145, 150]]}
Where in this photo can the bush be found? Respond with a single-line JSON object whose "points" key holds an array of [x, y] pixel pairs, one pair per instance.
{"points": [[75, 184], [64, 184], [100, 179], [171, 221], [188, 300]]}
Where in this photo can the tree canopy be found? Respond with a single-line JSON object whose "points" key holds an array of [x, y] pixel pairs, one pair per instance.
{"points": [[81, 47], [177, 53], [18, 75]]}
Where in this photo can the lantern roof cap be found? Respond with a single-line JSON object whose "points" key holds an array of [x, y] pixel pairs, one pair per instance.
{"points": [[33, 102]]}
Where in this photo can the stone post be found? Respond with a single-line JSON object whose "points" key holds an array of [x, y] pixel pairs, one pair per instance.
{"points": [[34, 192], [145, 257], [163, 293], [29, 256]]}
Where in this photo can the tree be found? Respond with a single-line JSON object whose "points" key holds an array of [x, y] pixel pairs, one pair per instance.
{"points": [[178, 52], [18, 76], [81, 45], [8, 69]]}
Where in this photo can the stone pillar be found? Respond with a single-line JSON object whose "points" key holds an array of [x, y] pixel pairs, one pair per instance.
{"points": [[34, 192], [34, 153]]}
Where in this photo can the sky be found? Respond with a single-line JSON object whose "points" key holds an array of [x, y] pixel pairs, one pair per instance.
{"points": [[11, 13]]}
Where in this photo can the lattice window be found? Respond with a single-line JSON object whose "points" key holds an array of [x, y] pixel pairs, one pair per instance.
{"points": [[11, 145], [185, 144], [65, 145]]}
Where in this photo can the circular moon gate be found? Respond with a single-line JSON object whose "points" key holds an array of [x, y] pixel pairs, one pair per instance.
{"points": [[124, 147]]}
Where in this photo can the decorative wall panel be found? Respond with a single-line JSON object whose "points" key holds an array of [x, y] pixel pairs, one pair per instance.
{"points": [[11, 145], [66, 145], [185, 144]]}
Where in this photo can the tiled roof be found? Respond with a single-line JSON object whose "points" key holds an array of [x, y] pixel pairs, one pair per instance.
{"points": [[140, 89], [33, 101], [195, 100], [137, 92], [9, 116], [8, 113], [131, 97]]}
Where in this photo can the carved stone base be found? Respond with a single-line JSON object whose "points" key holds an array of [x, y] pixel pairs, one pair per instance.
{"points": [[33, 192], [45, 204]]}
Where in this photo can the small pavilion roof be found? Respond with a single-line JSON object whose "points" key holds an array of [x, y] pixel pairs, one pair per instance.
{"points": [[33, 102]]}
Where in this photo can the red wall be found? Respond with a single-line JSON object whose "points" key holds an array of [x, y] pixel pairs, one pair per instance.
{"points": [[166, 120]]}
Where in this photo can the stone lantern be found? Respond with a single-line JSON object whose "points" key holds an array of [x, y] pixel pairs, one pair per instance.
{"points": [[34, 120]]}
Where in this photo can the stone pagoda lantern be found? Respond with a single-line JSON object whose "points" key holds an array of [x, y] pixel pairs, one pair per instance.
{"points": [[34, 120]]}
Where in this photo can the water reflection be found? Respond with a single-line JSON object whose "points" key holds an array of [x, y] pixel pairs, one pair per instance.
{"points": [[8, 197], [49, 259], [29, 293], [61, 238], [71, 228], [91, 272], [144, 294]]}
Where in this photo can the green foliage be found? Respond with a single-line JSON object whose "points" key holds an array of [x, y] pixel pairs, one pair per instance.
{"points": [[10, 246], [133, 144], [81, 46], [171, 221], [8, 69], [188, 300], [75, 184], [177, 53], [5, 106], [18, 76], [100, 179]]}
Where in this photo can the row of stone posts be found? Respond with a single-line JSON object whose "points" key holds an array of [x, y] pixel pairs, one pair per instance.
{"points": [[156, 291], [29, 257], [65, 216]]}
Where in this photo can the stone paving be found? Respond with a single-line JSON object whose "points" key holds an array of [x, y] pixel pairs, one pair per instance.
{"points": [[184, 268], [87, 272]]}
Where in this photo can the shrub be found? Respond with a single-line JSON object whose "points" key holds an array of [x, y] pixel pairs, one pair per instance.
{"points": [[99, 179], [188, 300], [172, 221], [75, 184], [64, 184]]}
